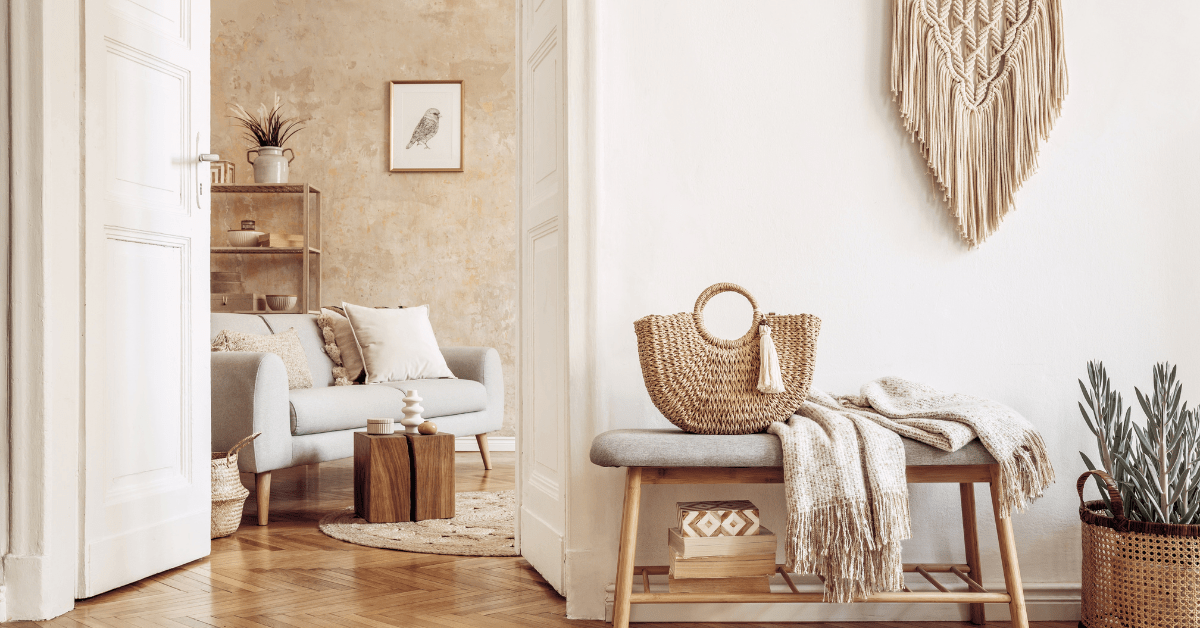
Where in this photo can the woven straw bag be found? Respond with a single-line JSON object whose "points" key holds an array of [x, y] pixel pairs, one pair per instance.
{"points": [[1136, 574], [228, 494], [709, 385]]}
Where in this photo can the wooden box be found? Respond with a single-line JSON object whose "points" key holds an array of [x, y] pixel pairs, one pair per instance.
{"points": [[280, 240], [693, 546], [382, 493], [751, 584], [432, 475], [226, 287], [746, 566], [718, 518], [237, 302]]}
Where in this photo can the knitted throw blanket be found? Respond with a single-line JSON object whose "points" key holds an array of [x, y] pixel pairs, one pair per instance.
{"points": [[844, 475]]}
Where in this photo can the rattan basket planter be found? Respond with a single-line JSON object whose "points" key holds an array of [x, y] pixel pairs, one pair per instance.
{"points": [[1136, 574], [228, 494]]}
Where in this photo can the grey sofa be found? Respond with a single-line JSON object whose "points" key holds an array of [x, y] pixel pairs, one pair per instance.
{"points": [[305, 426]]}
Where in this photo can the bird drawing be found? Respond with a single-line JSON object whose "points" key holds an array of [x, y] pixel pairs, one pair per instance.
{"points": [[426, 128]]}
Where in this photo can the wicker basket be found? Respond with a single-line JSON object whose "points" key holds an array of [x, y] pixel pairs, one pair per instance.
{"points": [[1136, 574], [709, 385], [228, 494]]}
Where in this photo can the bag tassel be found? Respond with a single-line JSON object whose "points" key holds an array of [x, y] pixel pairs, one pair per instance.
{"points": [[770, 377]]}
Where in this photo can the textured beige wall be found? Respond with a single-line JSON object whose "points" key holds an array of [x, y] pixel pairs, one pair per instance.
{"points": [[446, 239]]}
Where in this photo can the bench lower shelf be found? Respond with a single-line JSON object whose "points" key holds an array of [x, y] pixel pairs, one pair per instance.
{"points": [[975, 594]]}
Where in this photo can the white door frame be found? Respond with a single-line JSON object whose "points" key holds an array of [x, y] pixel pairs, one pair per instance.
{"points": [[44, 424], [572, 227]]}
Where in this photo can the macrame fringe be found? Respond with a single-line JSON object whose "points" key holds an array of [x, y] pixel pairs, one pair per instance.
{"points": [[980, 155], [770, 376]]}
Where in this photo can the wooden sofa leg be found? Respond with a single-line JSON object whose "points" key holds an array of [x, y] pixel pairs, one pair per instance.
{"points": [[971, 541], [1008, 558], [483, 451], [262, 494]]}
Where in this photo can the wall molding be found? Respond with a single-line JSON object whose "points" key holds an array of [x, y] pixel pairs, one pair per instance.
{"points": [[495, 443], [1048, 601]]}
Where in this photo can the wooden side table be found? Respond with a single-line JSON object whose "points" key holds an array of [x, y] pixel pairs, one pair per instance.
{"points": [[403, 477], [382, 468], [432, 476]]}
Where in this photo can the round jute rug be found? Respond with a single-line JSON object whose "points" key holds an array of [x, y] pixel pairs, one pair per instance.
{"points": [[482, 526]]}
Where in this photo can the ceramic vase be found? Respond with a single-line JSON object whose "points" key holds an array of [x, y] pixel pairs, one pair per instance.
{"points": [[270, 164], [412, 412]]}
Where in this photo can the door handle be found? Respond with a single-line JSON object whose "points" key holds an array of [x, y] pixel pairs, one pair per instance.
{"points": [[209, 157]]}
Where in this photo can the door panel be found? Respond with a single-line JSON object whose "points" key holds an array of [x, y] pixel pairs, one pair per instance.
{"points": [[148, 136], [146, 468], [544, 407]]}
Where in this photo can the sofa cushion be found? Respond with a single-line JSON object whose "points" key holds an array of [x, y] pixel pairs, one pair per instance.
{"points": [[444, 397], [245, 323], [310, 338], [333, 408]]}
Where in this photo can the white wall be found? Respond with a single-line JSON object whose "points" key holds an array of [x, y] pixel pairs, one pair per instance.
{"points": [[758, 143]]}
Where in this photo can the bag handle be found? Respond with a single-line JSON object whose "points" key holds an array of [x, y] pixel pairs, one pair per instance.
{"points": [[238, 447], [1114, 494], [706, 296]]}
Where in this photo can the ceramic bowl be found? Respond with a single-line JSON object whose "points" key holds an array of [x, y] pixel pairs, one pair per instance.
{"points": [[281, 302], [243, 238]]}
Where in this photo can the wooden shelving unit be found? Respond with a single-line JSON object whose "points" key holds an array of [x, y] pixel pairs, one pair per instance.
{"points": [[309, 253]]}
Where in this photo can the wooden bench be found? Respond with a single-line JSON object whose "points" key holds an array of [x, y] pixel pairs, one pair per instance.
{"points": [[671, 456]]}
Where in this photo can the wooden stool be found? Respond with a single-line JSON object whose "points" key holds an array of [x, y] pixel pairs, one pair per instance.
{"points": [[675, 457]]}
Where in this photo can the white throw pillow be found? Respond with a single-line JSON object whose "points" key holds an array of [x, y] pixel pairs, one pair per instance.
{"points": [[396, 345]]}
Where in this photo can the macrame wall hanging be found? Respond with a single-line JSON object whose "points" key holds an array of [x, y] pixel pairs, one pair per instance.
{"points": [[978, 83]]}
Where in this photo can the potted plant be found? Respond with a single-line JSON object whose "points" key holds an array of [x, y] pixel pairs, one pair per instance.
{"points": [[267, 132], [1141, 541]]}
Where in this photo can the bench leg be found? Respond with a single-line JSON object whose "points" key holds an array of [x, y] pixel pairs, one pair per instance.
{"points": [[628, 546], [971, 541], [1008, 557]]}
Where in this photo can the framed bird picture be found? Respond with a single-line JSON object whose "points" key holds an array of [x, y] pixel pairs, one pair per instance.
{"points": [[426, 126]]}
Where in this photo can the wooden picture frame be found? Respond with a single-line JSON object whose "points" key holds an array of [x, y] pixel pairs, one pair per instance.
{"points": [[425, 126]]}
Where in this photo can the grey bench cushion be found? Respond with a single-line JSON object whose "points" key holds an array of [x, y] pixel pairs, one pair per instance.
{"points": [[676, 448]]}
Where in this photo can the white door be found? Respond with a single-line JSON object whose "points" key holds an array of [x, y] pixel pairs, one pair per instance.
{"points": [[146, 441], [543, 261]]}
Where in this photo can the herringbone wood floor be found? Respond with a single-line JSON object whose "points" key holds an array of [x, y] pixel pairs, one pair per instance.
{"points": [[289, 575]]}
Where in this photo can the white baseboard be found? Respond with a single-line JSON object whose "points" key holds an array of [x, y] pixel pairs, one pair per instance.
{"points": [[495, 443], [1044, 601]]}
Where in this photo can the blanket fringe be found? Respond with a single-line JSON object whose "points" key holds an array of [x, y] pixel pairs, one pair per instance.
{"points": [[1025, 475]]}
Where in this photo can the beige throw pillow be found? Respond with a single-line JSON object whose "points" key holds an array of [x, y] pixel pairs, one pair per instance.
{"points": [[396, 345], [340, 346], [286, 345]]}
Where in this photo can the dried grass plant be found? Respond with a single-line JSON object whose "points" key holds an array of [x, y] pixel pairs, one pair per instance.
{"points": [[269, 127]]}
